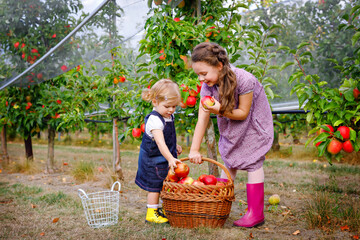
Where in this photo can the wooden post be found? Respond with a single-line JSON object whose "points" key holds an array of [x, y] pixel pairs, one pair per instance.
{"points": [[50, 163], [5, 155], [28, 149]]}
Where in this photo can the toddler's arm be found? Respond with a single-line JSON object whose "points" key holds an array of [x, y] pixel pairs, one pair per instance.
{"points": [[160, 141]]}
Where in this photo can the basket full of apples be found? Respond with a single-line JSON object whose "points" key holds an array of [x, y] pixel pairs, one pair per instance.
{"points": [[205, 201]]}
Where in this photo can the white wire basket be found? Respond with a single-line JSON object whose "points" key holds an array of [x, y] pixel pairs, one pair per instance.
{"points": [[101, 208]]}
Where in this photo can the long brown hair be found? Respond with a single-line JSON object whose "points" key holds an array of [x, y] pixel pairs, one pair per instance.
{"points": [[213, 54]]}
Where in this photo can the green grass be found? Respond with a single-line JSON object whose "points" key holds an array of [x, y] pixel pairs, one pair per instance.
{"points": [[83, 171]]}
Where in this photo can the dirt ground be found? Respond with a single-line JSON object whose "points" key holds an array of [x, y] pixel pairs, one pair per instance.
{"points": [[286, 176]]}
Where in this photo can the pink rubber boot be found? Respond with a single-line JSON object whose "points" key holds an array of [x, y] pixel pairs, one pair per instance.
{"points": [[255, 214]]}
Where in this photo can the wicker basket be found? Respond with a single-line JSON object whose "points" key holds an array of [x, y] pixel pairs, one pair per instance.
{"points": [[190, 206]]}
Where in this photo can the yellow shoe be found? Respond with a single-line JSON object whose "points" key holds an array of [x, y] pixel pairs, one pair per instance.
{"points": [[161, 212], [152, 215]]}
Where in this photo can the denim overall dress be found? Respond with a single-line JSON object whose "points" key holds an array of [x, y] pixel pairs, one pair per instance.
{"points": [[152, 166]]}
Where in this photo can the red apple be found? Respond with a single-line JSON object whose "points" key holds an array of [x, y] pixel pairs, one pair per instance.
{"points": [[172, 176], [193, 93], [207, 100], [182, 170], [136, 132], [197, 182], [39, 76], [157, 2], [330, 127], [122, 79], [334, 146], [210, 180], [317, 144], [186, 180], [177, 19], [201, 178], [142, 127], [356, 93], [23, 45], [191, 101], [34, 50], [182, 104], [16, 45], [345, 132], [348, 147], [162, 57], [184, 87]]}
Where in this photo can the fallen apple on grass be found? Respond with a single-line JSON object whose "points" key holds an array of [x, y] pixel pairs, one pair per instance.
{"points": [[274, 199]]}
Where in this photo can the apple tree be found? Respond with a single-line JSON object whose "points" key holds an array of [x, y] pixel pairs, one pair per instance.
{"points": [[333, 111]]}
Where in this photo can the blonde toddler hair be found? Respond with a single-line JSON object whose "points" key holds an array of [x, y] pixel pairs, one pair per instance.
{"points": [[163, 90]]}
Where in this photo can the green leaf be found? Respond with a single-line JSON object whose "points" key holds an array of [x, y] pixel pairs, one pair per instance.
{"points": [[301, 45], [283, 48], [354, 9], [338, 122], [355, 38]]}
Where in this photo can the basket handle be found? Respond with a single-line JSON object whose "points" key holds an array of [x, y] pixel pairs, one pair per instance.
{"points": [[115, 183], [82, 193], [214, 162]]}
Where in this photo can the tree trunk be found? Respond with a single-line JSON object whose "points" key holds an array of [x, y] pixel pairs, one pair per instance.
{"points": [[211, 148], [28, 149], [50, 163], [276, 145], [116, 152], [5, 155]]}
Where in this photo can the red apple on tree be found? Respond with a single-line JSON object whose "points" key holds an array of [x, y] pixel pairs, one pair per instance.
{"points": [[330, 128], [142, 127], [136, 132], [191, 101], [348, 146], [318, 143], [345, 132], [122, 79], [334, 146], [182, 170], [177, 19], [207, 100], [356, 93], [162, 57], [16, 45], [186, 180]]}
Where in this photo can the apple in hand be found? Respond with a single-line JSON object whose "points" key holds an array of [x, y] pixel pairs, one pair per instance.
{"points": [[334, 146], [207, 100], [186, 180], [182, 170]]}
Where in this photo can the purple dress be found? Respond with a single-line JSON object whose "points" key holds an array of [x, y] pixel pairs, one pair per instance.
{"points": [[244, 143]]}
